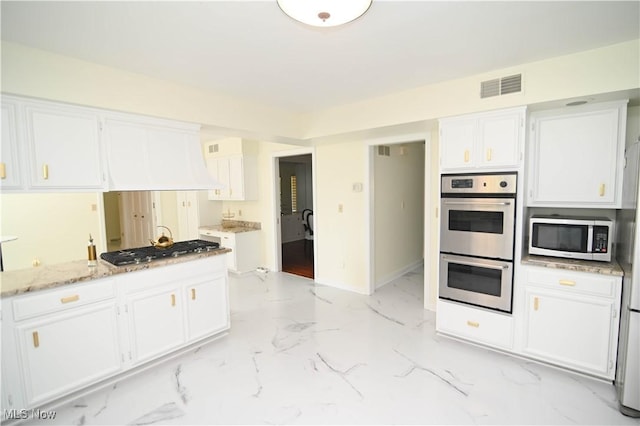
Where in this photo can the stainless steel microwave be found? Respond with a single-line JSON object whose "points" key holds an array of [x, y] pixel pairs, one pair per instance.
{"points": [[571, 237]]}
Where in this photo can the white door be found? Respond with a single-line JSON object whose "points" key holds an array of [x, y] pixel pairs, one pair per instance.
{"points": [[206, 304], [10, 173], [137, 218]]}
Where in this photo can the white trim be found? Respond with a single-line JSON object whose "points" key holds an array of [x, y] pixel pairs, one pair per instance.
{"points": [[276, 241], [369, 219], [429, 212], [340, 286], [400, 272]]}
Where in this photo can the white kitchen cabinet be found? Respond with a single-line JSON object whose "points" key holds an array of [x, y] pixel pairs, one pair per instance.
{"points": [[485, 141], [206, 307], [64, 147], [170, 307], [238, 175], [576, 156], [245, 248], [571, 319], [194, 208], [156, 322], [475, 324], [11, 174], [63, 338]]}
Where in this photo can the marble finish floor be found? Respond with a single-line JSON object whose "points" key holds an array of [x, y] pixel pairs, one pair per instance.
{"points": [[304, 354]]}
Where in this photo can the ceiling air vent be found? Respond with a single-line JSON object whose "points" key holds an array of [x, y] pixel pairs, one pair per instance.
{"points": [[501, 86], [384, 150]]}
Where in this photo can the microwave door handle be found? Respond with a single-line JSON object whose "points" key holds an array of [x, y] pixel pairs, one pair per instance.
{"points": [[478, 203], [478, 264], [590, 239]]}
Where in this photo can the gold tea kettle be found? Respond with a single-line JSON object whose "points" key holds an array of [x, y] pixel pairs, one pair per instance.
{"points": [[163, 240]]}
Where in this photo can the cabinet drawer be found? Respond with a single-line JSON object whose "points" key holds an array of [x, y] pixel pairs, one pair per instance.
{"points": [[46, 302], [475, 324], [578, 282]]}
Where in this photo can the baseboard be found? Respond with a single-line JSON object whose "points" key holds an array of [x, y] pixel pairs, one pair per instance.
{"points": [[398, 273]]}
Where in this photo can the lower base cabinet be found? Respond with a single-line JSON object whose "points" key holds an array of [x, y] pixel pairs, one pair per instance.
{"points": [[59, 341], [571, 319]]}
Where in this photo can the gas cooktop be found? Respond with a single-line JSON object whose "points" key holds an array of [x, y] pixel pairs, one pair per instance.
{"points": [[148, 254]]}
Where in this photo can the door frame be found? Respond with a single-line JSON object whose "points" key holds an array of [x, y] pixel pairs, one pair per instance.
{"points": [[275, 203], [370, 147]]}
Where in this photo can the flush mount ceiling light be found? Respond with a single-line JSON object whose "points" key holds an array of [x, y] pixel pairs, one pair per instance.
{"points": [[324, 13]]}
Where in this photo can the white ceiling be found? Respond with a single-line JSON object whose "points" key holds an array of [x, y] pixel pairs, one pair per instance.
{"points": [[251, 50]]}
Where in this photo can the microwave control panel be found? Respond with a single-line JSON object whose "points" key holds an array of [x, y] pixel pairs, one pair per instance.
{"points": [[600, 239]]}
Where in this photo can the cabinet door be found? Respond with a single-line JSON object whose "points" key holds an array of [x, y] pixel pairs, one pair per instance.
{"points": [[236, 178], [188, 218], [456, 143], [571, 331], [228, 240], [10, 170], [219, 169], [155, 322], [207, 307], [575, 159], [65, 148], [499, 139], [63, 352]]}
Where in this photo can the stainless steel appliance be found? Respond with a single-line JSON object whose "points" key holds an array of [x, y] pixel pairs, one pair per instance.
{"points": [[477, 239], [628, 255], [147, 254], [571, 237]]}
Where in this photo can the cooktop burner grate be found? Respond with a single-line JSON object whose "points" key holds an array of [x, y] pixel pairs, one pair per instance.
{"points": [[149, 253]]}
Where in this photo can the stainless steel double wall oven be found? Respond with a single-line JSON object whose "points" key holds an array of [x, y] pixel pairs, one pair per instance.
{"points": [[477, 230]]}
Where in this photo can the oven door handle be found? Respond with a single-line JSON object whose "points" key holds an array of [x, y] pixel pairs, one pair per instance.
{"points": [[478, 203], [478, 264]]}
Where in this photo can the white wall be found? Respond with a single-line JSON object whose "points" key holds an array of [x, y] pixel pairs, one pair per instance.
{"points": [[342, 237], [52, 228], [398, 181]]}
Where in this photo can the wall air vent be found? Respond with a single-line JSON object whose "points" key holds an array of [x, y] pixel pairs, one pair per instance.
{"points": [[501, 86], [384, 150]]}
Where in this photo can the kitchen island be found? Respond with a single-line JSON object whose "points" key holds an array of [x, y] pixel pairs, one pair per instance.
{"points": [[68, 329]]}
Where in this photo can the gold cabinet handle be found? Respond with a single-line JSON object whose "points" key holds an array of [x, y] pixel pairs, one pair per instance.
{"points": [[70, 299], [536, 303], [45, 171], [601, 190], [173, 300], [36, 339], [567, 283], [3, 170], [489, 154], [466, 155], [473, 324], [193, 294]]}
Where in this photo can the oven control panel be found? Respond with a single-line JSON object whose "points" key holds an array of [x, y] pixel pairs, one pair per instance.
{"points": [[479, 184]]}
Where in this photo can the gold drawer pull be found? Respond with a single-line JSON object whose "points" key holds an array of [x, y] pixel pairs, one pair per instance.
{"points": [[70, 299], [567, 283], [36, 339], [45, 171], [601, 190], [536, 303], [3, 170], [466, 155], [489, 154], [193, 294], [173, 300], [473, 324]]}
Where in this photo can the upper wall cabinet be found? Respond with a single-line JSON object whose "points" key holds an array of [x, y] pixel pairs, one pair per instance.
{"points": [[576, 155], [10, 167], [233, 162], [64, 147], [489, 141], [50, 146]]}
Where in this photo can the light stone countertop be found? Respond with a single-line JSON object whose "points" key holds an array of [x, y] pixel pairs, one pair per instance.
{"points": [[592, 266], [23, 281]]}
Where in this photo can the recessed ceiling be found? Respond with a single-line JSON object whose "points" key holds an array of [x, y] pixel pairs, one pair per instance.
{"points": [[251, 50]]}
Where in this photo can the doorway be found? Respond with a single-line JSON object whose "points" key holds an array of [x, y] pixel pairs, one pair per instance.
{"points": [[296, 246], [129, 219]]}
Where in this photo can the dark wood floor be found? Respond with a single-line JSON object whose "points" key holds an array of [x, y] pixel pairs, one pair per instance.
{"points": [[297, 258]]}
